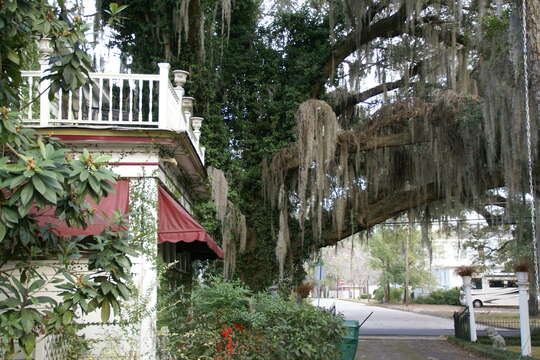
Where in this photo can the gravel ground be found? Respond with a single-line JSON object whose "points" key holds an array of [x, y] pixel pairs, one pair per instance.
{"points": [[390, 348]]}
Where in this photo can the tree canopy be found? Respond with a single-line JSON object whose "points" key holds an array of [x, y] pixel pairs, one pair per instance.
{"points": [[347, 113]]}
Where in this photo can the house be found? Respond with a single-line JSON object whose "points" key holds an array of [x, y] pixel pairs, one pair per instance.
{"points": [[146, 125], [449, 253]]}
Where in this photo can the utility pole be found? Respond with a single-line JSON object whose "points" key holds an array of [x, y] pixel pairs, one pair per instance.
{"points": [[407, 265]]}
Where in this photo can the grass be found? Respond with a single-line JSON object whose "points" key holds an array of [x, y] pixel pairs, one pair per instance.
{"points": [[489, 352], [535, 350], [507, 319], [448, 314]]}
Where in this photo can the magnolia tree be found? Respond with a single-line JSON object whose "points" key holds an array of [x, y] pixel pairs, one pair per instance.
{"points": [[37, 172]]}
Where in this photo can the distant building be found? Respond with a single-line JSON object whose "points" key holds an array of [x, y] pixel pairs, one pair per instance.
{"points": [[448, 254], [347, 271]]}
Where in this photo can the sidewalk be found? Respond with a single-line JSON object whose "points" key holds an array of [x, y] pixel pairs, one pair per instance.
{"points": [[406, 348]]}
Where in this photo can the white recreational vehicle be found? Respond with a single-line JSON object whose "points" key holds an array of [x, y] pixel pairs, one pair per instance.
{"points": [[493, 289]]}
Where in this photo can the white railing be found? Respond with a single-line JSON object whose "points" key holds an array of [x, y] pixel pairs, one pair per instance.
{"points": [[107, 99], [111, 100]]}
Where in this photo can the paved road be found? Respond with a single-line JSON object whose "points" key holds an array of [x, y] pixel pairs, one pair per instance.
{"points": [[389, 322], [390, 334]]}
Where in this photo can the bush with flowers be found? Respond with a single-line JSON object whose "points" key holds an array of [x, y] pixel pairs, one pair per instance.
{"points": [[224, 320]]}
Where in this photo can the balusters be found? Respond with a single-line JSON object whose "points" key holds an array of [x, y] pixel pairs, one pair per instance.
{"points": [[100, 113], [121, 100], [130, 117], [115, 102], [90, 100], [70, 104], [140, 99], [150, 97], [79, 118], [30, 100], [60, 103], [110, 99]]}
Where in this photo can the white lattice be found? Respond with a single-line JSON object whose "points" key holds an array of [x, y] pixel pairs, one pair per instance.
{"points": [[53, 347]]}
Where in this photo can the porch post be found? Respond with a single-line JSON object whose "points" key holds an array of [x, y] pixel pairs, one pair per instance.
{"points": [[524, 329], [163, 111], [143, 203], [45, 52], [468, 298]]}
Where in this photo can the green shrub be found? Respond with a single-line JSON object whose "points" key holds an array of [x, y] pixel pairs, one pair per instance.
{"points": [[227, 321], [395, 294], [365, 296], [440, 297]]}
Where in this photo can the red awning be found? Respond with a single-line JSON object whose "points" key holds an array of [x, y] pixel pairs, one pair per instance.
{"points": [[175, 225], [119, 200]]}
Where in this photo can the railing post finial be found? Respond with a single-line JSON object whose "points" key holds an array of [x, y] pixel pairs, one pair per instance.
{"points": [[196, 123]]}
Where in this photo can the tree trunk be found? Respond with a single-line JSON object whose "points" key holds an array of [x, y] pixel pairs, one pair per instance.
{"points": [[533, 293], [387, 292], [406, 297], [533, 44], [195, 43]]}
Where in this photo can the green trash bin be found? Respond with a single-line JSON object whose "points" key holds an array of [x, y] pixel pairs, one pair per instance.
{"points": [[349, 341]]}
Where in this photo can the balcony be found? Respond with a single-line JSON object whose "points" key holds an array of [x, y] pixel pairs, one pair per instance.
{"points": [[113, 100]]}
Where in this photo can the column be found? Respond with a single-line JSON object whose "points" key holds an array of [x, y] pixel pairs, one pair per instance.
{"points": [[524, 329], [163, 111], [143, 217], [45, 51], [468, 299]]}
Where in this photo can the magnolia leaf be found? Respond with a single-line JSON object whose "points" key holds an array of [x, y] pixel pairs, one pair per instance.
{"points": [[39, 185], [105, 311], [67, 317], [26, 193], [23, 210], [107, 287], [13, 57], [16, 181], [3, 231], [124, 291], [10, 215], [27, 320], [28, 343], [9, 303], [50, 195], [45, 299], [36, 285], [115, 306], [94, 185]]}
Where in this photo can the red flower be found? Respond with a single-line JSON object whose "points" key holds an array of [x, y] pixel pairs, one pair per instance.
{"points": [[229, 346], [238, 327], [226, 332]]}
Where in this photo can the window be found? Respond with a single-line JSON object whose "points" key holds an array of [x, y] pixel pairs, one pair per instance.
{"points": [[511, 284], [476, 284], [170, 254], [496, 283]]}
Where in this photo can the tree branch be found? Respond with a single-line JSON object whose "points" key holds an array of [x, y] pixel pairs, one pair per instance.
{"points": [[385, 28], [351, 100]]}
